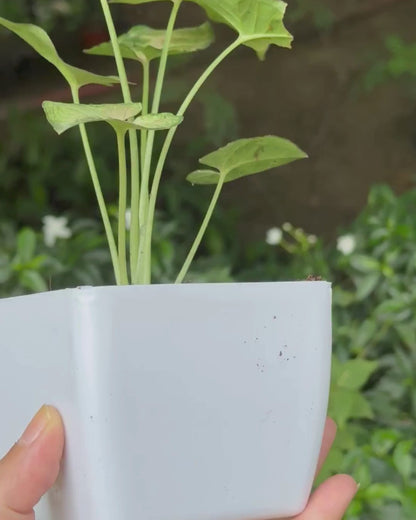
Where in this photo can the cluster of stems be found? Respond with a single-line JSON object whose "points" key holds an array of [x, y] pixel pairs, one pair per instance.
{"points": [[144, 181]]}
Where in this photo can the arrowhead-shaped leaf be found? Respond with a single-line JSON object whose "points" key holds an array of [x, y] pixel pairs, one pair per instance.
{"points": [[144, 44], [246, 157], [63, 116], [259, 23], [39, 40]]}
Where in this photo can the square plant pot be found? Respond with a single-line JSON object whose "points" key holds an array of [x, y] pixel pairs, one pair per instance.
{"points": [[187, 402]]}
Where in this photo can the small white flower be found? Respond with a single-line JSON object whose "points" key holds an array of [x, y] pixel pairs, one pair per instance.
{"points": [[312, 239], [346, 244], [54, 228], [287, 226], [128, 218], [274, 236]]}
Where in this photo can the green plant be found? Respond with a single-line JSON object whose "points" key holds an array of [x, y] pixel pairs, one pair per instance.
{"points": [[258, 25]]}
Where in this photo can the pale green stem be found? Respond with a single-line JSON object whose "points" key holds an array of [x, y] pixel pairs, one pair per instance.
{"points": [[144, 259], [134, 147], [145, 106], [122, 205], [99, 194], [117, 53], [201, 231], [135, 179], [169, 138]]}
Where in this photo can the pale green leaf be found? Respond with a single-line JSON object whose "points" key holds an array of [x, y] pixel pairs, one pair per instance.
{"points": [[39, 40], [63, 116], [246, 157], [259, 23], [144, 44], [162, 121]]}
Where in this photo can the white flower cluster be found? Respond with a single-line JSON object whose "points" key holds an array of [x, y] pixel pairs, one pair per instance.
{"points": [[346, 244], [54, 228], [274, 235]]}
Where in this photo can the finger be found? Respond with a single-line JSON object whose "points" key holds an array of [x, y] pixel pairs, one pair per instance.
{"points": [[31, 466], [327, 441], [331, 499]]}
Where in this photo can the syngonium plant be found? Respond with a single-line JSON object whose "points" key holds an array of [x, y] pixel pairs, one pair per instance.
{"points": [[258, 24]]}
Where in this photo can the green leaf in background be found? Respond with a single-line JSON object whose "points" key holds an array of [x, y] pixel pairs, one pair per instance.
{"points": [[403, 459], [39, 40], [382, 441], [366, 284], [259, 23], [378, 491], [33, 281], [353, 374], [246, 157], [348, 404], [142, 43], [63, 116], [365, 264], [26, 245]]}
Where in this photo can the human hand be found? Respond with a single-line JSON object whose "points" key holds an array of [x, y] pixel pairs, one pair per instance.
{"points": [[31, 467], [332, 498]]}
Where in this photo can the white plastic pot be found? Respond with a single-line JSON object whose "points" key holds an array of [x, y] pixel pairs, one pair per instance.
{"points": [[191, 402]]}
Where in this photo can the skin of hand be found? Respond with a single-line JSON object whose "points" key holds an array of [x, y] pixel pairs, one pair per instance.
{"points": [[32, 465]]}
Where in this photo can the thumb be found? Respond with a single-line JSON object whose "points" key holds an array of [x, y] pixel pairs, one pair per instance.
{"points": [[31, 466]]}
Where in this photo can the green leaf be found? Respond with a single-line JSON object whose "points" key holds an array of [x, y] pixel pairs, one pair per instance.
{"points": [[63, 116], [38, 39], [142, 43], [246, 157], [26, 244], [383, 491], [353, 374], [33, 281], [382, 441], [366, 285], [259, 23], [365, 264], [347, 404], [402, 458], [162, 121]]}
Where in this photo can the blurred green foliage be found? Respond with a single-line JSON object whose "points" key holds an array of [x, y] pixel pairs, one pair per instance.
{"points": [[69, 14], [398, 64]]}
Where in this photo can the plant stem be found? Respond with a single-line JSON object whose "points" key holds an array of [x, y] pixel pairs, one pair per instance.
{"points": [[169, 138], [145, 106], [117, 53], [134, 147], [99, 194], [135, 179], [122, 205], [201, 231], [144, 257]]}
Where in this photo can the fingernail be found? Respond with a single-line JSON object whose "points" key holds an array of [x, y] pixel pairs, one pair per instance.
{"points": [[37, 425]]}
